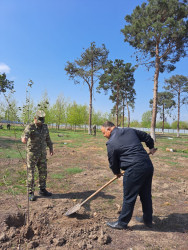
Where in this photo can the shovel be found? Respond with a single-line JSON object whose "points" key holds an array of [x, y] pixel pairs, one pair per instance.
{"points": [[78, 206]]}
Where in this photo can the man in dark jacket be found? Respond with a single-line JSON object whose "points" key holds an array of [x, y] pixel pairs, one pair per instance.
{"points": [[125, 152]]}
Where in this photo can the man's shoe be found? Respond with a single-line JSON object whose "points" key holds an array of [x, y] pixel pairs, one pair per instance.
{"points": [[32, 197], [141, 220], [44, 192], [115, 225]]}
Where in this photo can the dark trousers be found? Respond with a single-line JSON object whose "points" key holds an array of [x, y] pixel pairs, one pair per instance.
{"points": [[137, 180]]}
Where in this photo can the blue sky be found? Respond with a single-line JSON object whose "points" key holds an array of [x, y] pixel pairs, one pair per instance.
{"points": [[38, 37]]}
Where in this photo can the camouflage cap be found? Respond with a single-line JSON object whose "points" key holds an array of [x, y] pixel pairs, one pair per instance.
{"points": [[40, 113]]}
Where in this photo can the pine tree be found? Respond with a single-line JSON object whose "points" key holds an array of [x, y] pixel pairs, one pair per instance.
{"points": [[158, 31], [118, 78], [88, 69], [178, 85], [164, 103]]}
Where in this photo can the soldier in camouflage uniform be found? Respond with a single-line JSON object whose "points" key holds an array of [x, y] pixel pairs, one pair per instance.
{"points": [[36, 136]]}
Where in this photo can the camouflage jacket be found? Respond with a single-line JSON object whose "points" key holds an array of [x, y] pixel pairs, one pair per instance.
{"points": [[38, 138]]}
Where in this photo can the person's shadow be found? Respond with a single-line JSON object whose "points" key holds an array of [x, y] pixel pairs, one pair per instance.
{"points": [[172, 223], [80, 196]]}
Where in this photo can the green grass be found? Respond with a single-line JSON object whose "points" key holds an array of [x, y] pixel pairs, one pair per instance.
{"points": [[57, 176], [176, 164], [165, 157], [12, 153], [10, 147], [68, 171], [178, 144], [182, 151], [22, 177], [14, 132], [18, 189], [75, 170], [16, 177], [15, 182], [172, 163], [72, 139], [185, 156], [10, 140]]}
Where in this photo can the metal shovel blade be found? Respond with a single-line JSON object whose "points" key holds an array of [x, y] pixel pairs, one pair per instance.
{"points": [[78, 206], [73, 210]]}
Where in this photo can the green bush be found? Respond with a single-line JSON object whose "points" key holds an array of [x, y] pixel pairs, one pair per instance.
{"points": [[135, 124], [159, 124], [182, 125]]}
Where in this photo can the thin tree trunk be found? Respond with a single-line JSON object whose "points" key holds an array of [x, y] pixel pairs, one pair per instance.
{"points": [[178, 122], [163, 120], [116, 113], [128, 112], [123, 112], [90, 104], [128, 124], [155, 92], [90, 113], [117, 105]]}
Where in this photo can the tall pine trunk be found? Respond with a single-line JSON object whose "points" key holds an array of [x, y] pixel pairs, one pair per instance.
{"points": [[123, 112], [90, 101], [90, 112], [128, 112], [178, 122], [117, 105], [155, 92], [163, 120]]}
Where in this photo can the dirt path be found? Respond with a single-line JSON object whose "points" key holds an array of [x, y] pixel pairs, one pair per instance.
{"points": [[50, 229]]}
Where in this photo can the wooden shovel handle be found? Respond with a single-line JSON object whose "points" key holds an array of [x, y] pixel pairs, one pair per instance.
{"points": [[108, 183]]}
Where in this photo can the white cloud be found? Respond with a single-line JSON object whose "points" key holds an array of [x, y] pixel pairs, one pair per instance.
{"points": [[4, 68]]}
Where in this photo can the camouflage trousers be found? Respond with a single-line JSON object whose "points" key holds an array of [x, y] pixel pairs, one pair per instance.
{"points": [[39, 160]]}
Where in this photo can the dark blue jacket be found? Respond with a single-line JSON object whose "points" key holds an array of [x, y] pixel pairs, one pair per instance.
{"points": [[125, 148]]}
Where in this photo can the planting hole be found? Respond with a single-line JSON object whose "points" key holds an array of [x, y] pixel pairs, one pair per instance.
{"points": [[16, 220]]}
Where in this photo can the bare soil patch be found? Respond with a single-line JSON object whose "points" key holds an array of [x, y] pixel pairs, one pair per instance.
{"points": [[49, 228]]}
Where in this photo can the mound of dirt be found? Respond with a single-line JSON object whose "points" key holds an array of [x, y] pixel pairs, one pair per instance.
{"points": [[44, 230]]}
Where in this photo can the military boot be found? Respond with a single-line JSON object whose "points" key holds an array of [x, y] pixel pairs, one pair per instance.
{"points": [[31, 196], [44, 192]]}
